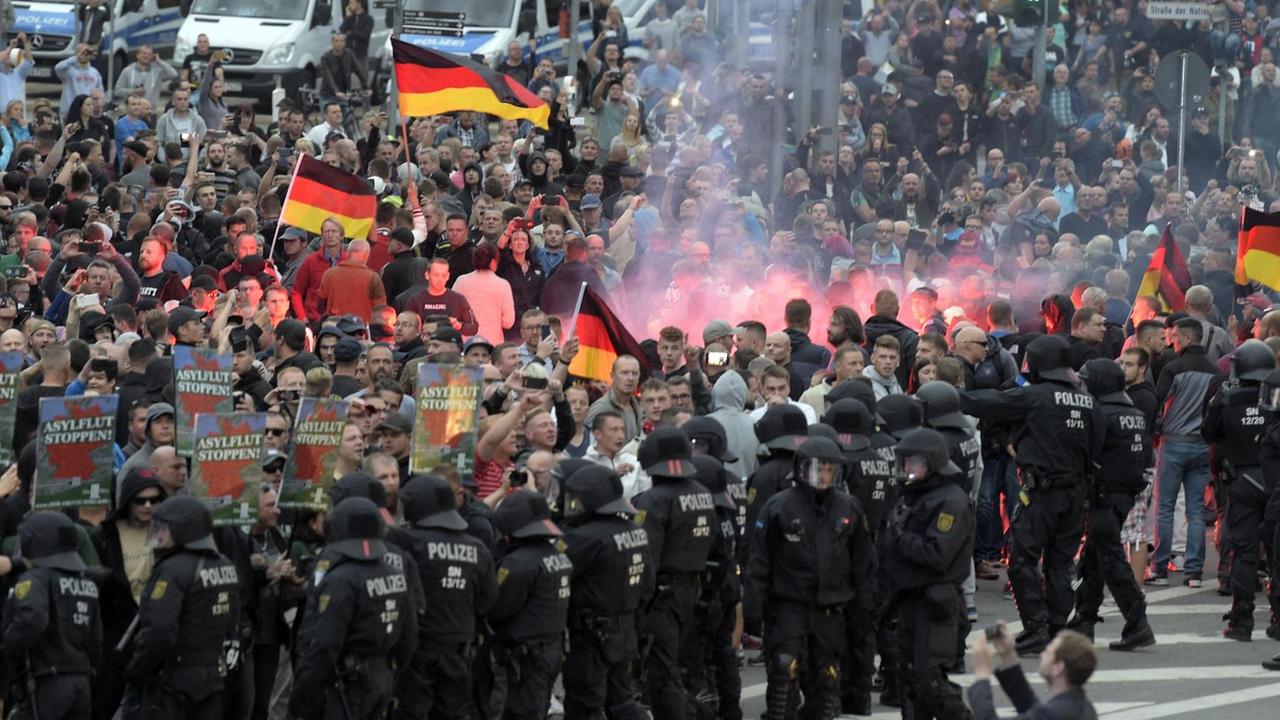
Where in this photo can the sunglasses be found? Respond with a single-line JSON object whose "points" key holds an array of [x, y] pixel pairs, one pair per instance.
{"points": [[148, 500], [275, 432]]}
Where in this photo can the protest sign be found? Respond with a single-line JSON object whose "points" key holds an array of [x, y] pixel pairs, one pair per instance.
{"points": [[202, 382], [10, 365], [448, 408], [74, 452], [308, 472], [226, 465]]}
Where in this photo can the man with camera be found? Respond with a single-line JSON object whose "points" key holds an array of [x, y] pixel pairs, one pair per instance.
{"points": [[1065, 665]]}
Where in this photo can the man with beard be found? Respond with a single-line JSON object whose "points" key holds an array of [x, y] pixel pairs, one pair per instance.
{"points": [[408, 337], [438, 299], [158, 285], [1085, 223], [869, 192], [915, 206]]}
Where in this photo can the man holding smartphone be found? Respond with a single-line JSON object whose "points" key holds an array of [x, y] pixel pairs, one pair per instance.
{"points": [[1066, 665]]}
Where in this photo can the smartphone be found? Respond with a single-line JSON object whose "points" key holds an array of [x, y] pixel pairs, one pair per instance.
{"points": [[290, 395], [184, 138], [89, 300], [216, 135], [285, 155], [718, 358], [519, 478], [1117, 164], [90, 248], [577, 121], [545, 329]]}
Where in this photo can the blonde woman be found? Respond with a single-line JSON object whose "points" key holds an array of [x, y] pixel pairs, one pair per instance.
{"points": [[15, 119], [632, 135]]}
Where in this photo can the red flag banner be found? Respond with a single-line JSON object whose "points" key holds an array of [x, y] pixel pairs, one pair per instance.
{"points": [[318, 192], [1258, 249], [1167, 276], [430, 83]]}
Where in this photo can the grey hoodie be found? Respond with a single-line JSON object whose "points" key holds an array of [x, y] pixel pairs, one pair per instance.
{"points": [[728, 398]]}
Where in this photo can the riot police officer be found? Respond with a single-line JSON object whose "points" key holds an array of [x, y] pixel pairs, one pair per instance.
{"points": [[780, 430], [52, 627], [711, 659], [612, 572], [1055, 446], [528, 618], [679, 517], [1234, 426], [810, 558], [361, 626], [1123, 458], [189, 609], [1269, 455], [708, 437], [458, 580], [929, 544], [940, 403]]}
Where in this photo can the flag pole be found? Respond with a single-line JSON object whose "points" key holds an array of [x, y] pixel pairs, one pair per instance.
{"points": [[297, 162], [573, 322]]}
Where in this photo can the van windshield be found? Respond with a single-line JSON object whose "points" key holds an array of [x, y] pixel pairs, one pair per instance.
{"points": [[487, 14], [277, 9]]}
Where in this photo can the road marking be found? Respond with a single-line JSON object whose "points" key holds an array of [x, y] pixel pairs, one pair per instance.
{"points": [[1200, 704]]}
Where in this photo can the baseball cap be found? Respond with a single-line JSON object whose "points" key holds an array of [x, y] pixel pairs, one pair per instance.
{"points": [[182, 315], [293, 233], [138, 147], [632, 171], [397, 423], [352, 324], [477, 341], [590, 201], [714, 330], [347, 350], [447, 334], [889, 89]]}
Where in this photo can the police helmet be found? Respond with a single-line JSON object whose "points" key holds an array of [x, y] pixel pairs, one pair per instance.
{"points": [[852, 422], [782, 427], [1105, 381], [899, 414], [1049, 358], [1252, 361], [565, 469], [667, 453], [815, 451], [823, 430], [49, 539], [525, 514], [855, 388], [358, 484], [188, 521], [941, 406], [929, 445], [595, 489], [713, 477], [429, 502], [1269, 395], [707, 432], [354, 529]]}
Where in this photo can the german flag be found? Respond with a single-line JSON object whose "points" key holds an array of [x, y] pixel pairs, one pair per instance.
{"points": [[318, 192], [430, 83], [1258, 249], [1167, 276], [602, 338]]}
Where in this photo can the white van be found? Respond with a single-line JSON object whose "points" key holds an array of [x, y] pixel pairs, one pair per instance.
{"points": [[271, 42], [52, 28]]}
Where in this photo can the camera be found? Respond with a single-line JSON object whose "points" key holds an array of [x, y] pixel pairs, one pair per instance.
{"points": [[519, 478]]}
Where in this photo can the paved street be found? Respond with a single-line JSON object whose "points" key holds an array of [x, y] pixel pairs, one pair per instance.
{"points": [[1191, 672]]}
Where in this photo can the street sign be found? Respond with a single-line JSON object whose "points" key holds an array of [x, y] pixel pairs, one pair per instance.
{"points": [[1169, 80], [384, 4], [1177, 10], [425, 22]]}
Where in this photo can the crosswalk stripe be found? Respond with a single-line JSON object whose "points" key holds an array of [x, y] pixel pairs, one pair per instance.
{"points": [[1199, 704]]}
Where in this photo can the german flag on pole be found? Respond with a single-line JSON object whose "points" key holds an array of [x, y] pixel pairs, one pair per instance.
{"points": [[1167, 276], [431, 83], [602, 338], [1258, 249], [319, 191]]}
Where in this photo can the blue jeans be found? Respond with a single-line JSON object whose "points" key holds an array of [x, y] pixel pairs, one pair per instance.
{"points": [[1181, 465], [1225, 44], [998, 478]]}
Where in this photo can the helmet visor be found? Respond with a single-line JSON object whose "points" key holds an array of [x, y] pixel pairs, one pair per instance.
{"points": [[912, 468], [819, 474], [159, 535]]}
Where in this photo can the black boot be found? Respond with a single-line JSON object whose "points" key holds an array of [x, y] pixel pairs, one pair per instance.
{"points": [[1031, 643], [1082, 625], [1140, 635], [776, 699]]}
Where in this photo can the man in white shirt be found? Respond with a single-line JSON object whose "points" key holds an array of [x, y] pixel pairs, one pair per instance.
{"points": [[610, 432], [332, 124], [775, 388]]}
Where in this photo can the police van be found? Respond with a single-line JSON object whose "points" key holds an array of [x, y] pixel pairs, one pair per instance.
{"points": [[270, 42], [52, 28]]}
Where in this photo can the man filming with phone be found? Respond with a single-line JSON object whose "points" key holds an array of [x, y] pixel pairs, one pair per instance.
{"points": [[1066, 664]]}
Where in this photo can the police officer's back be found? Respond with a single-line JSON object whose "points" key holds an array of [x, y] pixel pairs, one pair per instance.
{"points": [[612, 574], [528, 617], [52, 632], [868, 475], [780, 430], [361, 624], [458, 580], [930, 549], [189, 609], [941, 404]]}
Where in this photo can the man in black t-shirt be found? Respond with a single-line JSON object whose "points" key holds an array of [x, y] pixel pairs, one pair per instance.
{"points": [[437, 299], [194, 64]]}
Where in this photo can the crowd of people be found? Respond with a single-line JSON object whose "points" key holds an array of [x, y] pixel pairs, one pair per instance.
{"points": [[914, 359]]}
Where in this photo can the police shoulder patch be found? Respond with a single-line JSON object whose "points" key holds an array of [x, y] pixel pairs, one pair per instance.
{"points": [[751, 496], [159, 590], [639, 517], [562, 546], [502, 575], [324, 602], [22, 589], [945, 521]]}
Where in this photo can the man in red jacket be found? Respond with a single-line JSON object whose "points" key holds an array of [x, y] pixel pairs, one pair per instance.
{"points": [[306, 285], [350, 287]]}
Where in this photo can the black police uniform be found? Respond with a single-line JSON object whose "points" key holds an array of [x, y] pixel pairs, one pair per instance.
{"points": [[868, 477], [710, 657], [929, 546], [680, 521], [190, 606], [1055, 450], [780, 431], [612, 572], [1234, 425], [458, 579], [1125, 453], [52, 631], [810, 558], [528, 618], [361, 626], [1269, 455]]}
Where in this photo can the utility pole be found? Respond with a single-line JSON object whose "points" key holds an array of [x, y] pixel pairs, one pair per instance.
{"points": [[781, 64], [1042, 43], [829, 40], [806, 27]]}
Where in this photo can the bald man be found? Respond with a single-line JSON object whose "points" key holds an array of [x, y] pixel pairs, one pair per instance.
{"points": [[777, 347], [170, 469], [12, 340]]}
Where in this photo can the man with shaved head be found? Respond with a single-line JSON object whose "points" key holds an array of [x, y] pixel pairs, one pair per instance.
{"points": [[777, 347], [12, 340], [170, 469]]}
